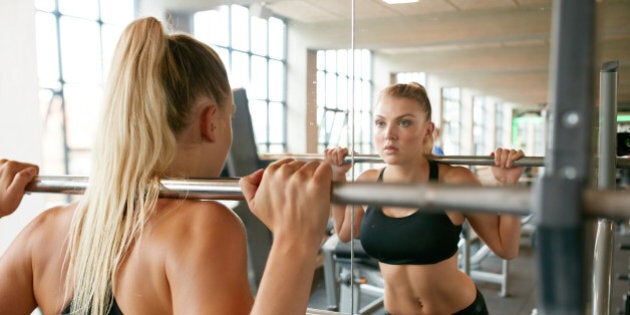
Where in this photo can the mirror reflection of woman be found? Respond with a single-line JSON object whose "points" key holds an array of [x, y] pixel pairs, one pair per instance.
{"points": [[417, 250]]}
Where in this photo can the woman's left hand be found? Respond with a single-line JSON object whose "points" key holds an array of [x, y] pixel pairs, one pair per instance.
{"points": [[14, 176], [504, 171]]}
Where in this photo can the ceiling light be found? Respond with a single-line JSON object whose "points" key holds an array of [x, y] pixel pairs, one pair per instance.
{"points": [[399, 1]]}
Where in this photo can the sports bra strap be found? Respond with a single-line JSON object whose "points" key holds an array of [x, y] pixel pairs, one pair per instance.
{"points": [[433, 171]]}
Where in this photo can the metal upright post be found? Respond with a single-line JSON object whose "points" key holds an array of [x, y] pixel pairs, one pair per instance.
{"points": [[606, 169], [558, 199]]}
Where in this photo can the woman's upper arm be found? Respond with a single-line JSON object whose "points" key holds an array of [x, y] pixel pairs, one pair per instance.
{"points": [[485, 225], [207, 267], [16, 276]]}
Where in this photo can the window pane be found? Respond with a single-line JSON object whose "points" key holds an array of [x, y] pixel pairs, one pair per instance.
{"points": [[342, 62], [366, 63], [80, 50], [326, 126], [80, 162], [366, 89], [331, 90], [52, 139], [321, 131], [258, 85], [240, 27], [80, 8], [211, 26], [276, 122], [331, 60], [111, 34], [321, 89], [47, 57], [45, 5], [82, 104], [366, 127], [259, 35], [276, 80], [258, 111], [339, 131], [321, 60], [240, 69], [342, 93], [277, 31], [276, 148], [224, 55], [118, 12]]}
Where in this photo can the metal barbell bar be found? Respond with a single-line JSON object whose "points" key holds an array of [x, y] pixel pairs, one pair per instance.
{"points": [[450, 159], [493, 199]]}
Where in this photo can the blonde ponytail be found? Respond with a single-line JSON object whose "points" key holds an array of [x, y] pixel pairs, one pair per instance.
{"points": [[149, 97]]}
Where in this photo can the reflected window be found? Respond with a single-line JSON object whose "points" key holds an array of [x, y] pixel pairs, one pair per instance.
{"points": [[480, 115], [527, 130], [451, 119], [498, 125], [253, 50], [75, 43], [336, 83]]}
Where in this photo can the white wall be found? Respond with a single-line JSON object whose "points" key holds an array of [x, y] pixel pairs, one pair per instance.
{"points": [[20, 121]]}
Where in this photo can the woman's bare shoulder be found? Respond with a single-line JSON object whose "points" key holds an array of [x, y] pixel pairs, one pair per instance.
{"points": [[54, 221], [450, 174], [179, 221], [370, 175]]}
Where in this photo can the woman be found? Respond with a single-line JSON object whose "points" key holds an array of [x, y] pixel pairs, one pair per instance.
{"points": [[417, 250], [122, 249]]}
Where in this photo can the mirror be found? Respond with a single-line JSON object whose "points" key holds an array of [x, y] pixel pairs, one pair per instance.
{"points": [[484, 64]]}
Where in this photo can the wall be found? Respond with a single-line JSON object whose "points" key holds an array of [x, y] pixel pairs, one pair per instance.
{"points": [[19, 113]]}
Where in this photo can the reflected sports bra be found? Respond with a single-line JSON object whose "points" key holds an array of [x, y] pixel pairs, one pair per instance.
{"points": [[421, 238], [113, 310]]}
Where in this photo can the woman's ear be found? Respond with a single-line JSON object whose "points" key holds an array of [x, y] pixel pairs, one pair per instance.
{"points": [[208, 122], [430, 129]]}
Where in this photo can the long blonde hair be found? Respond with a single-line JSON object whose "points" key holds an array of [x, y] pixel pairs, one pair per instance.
{"points": [[416, 92], [154, 80]]}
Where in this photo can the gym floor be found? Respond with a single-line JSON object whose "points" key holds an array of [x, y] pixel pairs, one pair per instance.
{"points": [[522, 294]]}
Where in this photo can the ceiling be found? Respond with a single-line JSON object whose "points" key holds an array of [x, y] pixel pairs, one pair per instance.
{"points": [[498, 47]]}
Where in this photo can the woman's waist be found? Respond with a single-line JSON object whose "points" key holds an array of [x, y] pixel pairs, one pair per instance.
{"points": [[425, 291]]}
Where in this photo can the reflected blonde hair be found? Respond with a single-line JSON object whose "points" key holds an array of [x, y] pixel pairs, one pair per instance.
{"points": [[153, 83], [416, 92]]}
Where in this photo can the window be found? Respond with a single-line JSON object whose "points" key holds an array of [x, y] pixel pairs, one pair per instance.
{"points": [[334, 97], [75, 43], [254, 52], [479, 130], [451, 124], [498, 125]]}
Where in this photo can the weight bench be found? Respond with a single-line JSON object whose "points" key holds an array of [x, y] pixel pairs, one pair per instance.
{"points": [[367, 279]]}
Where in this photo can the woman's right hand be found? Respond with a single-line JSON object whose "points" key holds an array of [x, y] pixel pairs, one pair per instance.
{"points": [[292, 198], [14, 176], [336, 159]]}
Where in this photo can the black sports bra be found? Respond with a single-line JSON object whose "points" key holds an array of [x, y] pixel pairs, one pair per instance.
{"points": [[421, 238], [113, 310]]}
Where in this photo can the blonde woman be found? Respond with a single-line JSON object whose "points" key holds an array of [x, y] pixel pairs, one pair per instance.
{"points": [[122, 249], [417, 250]]}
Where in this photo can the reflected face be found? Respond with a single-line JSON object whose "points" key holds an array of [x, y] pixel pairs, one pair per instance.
{"points": [[401, 130]]}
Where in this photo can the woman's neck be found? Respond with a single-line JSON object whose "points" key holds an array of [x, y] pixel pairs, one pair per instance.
{"points": [[412, 172]]}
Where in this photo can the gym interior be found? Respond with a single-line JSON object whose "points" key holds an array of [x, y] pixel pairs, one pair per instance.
{"points": [[306, 74]]}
